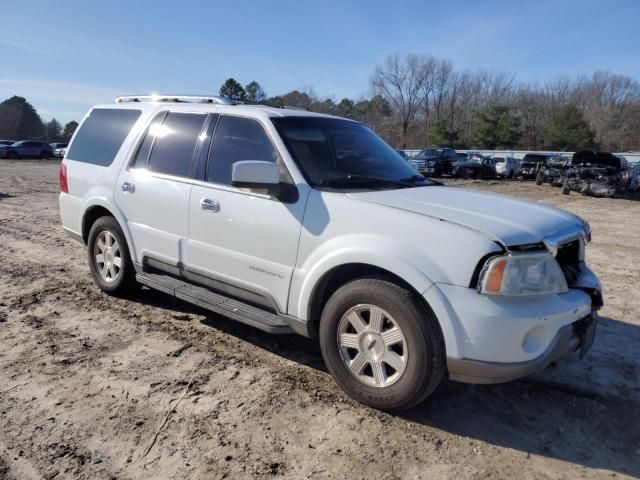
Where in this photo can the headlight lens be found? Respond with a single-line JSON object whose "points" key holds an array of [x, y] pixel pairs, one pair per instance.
{"points": [[522, 274]]}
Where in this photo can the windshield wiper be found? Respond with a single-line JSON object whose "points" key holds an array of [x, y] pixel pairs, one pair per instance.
{"points": [[360, 180]]}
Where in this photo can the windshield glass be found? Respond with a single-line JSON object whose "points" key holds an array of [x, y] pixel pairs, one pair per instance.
{"points": [[343, 154], [499, 159]]}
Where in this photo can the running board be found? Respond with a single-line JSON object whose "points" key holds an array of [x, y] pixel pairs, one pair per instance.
{"points": [[234, 309]]}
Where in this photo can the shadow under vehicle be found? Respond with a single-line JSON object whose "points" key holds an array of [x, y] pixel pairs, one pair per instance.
{"points": [[597, 174]]}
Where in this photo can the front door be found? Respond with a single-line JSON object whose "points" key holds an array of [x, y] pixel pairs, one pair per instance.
{"points": [[245, 241]]}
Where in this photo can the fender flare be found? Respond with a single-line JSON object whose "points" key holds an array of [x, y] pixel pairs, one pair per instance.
{"points": [[104, 202], [397, 266]]}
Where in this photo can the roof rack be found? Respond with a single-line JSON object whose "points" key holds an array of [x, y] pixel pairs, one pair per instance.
{"points": [[176, 99]]}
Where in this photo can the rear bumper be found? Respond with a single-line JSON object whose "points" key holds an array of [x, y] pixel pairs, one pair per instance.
{"points": [[577, 336]]}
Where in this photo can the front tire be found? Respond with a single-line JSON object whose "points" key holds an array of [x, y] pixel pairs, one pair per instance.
{"points": [[382, 345], [109, 259]]}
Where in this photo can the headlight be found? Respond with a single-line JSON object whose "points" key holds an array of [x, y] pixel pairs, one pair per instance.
{"points": [[522, 274]]}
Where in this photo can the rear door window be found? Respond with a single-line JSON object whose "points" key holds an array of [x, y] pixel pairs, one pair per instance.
{"points": [[174, 143], [101, 135]]}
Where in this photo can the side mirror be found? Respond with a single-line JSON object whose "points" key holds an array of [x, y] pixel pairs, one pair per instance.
{"points": [[255, 174]]}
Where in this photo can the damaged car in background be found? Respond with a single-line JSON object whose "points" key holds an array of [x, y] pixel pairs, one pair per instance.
{"points": [[554, 170], [596, 174]]}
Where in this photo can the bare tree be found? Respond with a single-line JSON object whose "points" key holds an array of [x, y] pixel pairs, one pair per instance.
{"points": [[399, 81]]}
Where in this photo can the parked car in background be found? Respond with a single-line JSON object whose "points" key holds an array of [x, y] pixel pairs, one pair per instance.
{"points": [[434, 162], [476, 166], [532, 163], [174, 195], [7, 142], [59, 149], [26, 149], [507, 167]]}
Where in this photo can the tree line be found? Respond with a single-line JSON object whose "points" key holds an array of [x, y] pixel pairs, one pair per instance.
{"points": [[20, 121], [420, 100]]}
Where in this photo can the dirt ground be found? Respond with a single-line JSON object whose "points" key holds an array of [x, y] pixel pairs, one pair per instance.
{"points": [[86, 380]]}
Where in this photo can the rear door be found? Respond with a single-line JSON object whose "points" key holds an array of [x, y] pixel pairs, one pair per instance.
{"points": [[153, 192], [243, 242]]}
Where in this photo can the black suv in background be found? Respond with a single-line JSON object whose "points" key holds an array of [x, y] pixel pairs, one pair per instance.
{"points": [[26, 149], [434, 162], [532, 163]]}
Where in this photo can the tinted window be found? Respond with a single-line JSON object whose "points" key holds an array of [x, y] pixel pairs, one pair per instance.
{"points": [[334, 152], [175, 140], [101, 135], [140, 161], [237, 139]]}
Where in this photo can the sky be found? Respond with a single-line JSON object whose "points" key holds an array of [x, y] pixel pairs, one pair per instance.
{"points": [[68, 55]]}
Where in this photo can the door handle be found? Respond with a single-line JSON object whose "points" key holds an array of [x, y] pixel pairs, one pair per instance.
{"points": [[128, 187], [210, 205]]}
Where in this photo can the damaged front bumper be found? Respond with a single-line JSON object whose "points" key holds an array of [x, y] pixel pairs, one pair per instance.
{"points": [[575, 337]]}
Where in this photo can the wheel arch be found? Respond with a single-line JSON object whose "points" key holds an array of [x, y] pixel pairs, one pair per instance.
{"points": [[100, 207], [341, 274]]}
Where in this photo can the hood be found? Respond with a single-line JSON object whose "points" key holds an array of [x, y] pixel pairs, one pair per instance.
{"points": [[505, 219], [592, 157]]}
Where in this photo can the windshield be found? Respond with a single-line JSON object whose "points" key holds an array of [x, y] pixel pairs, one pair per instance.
{"points": [[499, 159], [344, 154], [532, 159], [431, 152]]}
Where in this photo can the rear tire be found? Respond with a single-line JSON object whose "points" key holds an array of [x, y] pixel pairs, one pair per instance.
{"points": [[12, 155], [395, 357], [44, 155], [109, 259]]}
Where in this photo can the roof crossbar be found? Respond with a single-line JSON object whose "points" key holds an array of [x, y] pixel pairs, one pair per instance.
{"points": [[176, 99]]}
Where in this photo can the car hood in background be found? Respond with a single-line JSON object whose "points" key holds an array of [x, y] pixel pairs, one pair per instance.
{"points": [[505, 219], [592, 157]]}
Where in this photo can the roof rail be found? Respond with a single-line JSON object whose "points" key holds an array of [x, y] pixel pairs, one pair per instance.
{"points": [[176, 99]]}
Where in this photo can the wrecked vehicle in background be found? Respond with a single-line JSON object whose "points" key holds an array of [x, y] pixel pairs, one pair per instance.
{"points": [[597, 174], [532, 163], [554, 170]]}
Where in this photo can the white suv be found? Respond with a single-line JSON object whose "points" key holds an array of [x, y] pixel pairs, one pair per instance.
{"points": [[295, 222]]}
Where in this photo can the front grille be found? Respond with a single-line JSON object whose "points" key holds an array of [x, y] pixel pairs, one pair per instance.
{"points": [[568, 257]]}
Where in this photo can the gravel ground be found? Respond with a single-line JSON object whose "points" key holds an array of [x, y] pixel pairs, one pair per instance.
{"points": [[151, 387]]}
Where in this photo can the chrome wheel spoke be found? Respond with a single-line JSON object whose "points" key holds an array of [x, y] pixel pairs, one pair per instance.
{"points": [[356, 321], [375, 319], [117, 261], [349, 340], [394, 360], [112, 272], [392, 336], [358, 363], [379, 375], [100, 258]]}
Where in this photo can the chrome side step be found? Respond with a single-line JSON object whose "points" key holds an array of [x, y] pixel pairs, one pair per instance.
{"points": [[234, 309]]}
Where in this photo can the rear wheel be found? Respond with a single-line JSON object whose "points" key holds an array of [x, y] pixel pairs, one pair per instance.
{"points": [[12, 155], [382, 346], [45, 155], [109, 259]]}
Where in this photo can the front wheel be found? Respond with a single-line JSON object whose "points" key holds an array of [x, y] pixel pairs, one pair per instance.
{"points": [[381, 344], [109, 259]]}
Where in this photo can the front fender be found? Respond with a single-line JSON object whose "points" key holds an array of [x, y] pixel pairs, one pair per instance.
{"points": [[377, 252]]}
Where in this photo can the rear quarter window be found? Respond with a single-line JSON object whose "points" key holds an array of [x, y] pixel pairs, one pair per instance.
{"points": [[101, 135]]}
